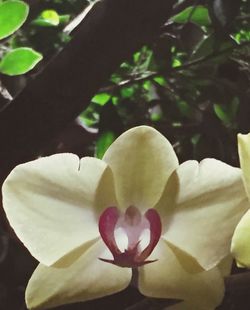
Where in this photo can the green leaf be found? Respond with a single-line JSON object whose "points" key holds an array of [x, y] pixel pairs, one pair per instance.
{"points": [[104, 141], [13, 14], [184, 108], [195, 139], [221, 113], [136, 57], [48, 18], [227, 113], [234, 107], [176, 63], [64, 19], [19, 61], [156, 113], [198, 15], [115, 100], [160, 80], [204, 47], [147, 85], [101, 98], [128, 91], [90, 116], [242, 36], [210, 44]]}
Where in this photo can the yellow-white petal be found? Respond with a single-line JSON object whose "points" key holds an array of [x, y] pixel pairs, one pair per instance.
{"points": [[240, 246], [87, 278], [225, 268], [208, 200], [105, 193], [244, 154], [141, 160], [175, 275], [49, 203], [241, 239]]}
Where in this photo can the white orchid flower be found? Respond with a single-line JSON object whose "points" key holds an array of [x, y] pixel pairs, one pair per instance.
{"points": [[92, 223]]}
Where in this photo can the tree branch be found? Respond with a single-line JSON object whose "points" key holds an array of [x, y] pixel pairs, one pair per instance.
{"points": [[151, 75]]}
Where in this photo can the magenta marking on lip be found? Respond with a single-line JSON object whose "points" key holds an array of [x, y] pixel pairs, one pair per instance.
{"points": [[133, 224]]}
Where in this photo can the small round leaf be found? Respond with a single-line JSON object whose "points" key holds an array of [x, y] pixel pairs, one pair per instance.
{"points": [[101, 98], [13, 14], [19, 61], [48, 18]]}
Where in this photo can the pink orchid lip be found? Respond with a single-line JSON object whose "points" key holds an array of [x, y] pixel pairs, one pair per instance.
{"points": [[133, 224]]}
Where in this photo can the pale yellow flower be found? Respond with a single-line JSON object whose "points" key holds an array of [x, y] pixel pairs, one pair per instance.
{"points": [[241, 238], [89, 222]]}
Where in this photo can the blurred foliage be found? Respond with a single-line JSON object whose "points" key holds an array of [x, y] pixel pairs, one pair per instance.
{"points": [[191, 83]]}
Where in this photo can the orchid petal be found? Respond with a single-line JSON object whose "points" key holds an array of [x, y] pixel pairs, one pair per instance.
{"points": [[240, 246], [244, 154], [87, 278], [241, 239], [175, 275], [141, 160], [225, 268], [207, 201], [105, 195], [49, 203]]}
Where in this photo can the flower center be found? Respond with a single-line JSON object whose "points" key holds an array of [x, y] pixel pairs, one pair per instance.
{"points": [[130, 236]]}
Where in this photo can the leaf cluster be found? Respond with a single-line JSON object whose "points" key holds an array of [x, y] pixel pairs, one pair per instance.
{"points": [[192, 83]]}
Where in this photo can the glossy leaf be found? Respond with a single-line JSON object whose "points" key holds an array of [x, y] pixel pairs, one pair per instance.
{"points": [[221, 113], [227, 113], [19, 61], [211, 45], [13, 14], [101, 98], [198, 15], [160, 80], [64, 19], [47, 18]]}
